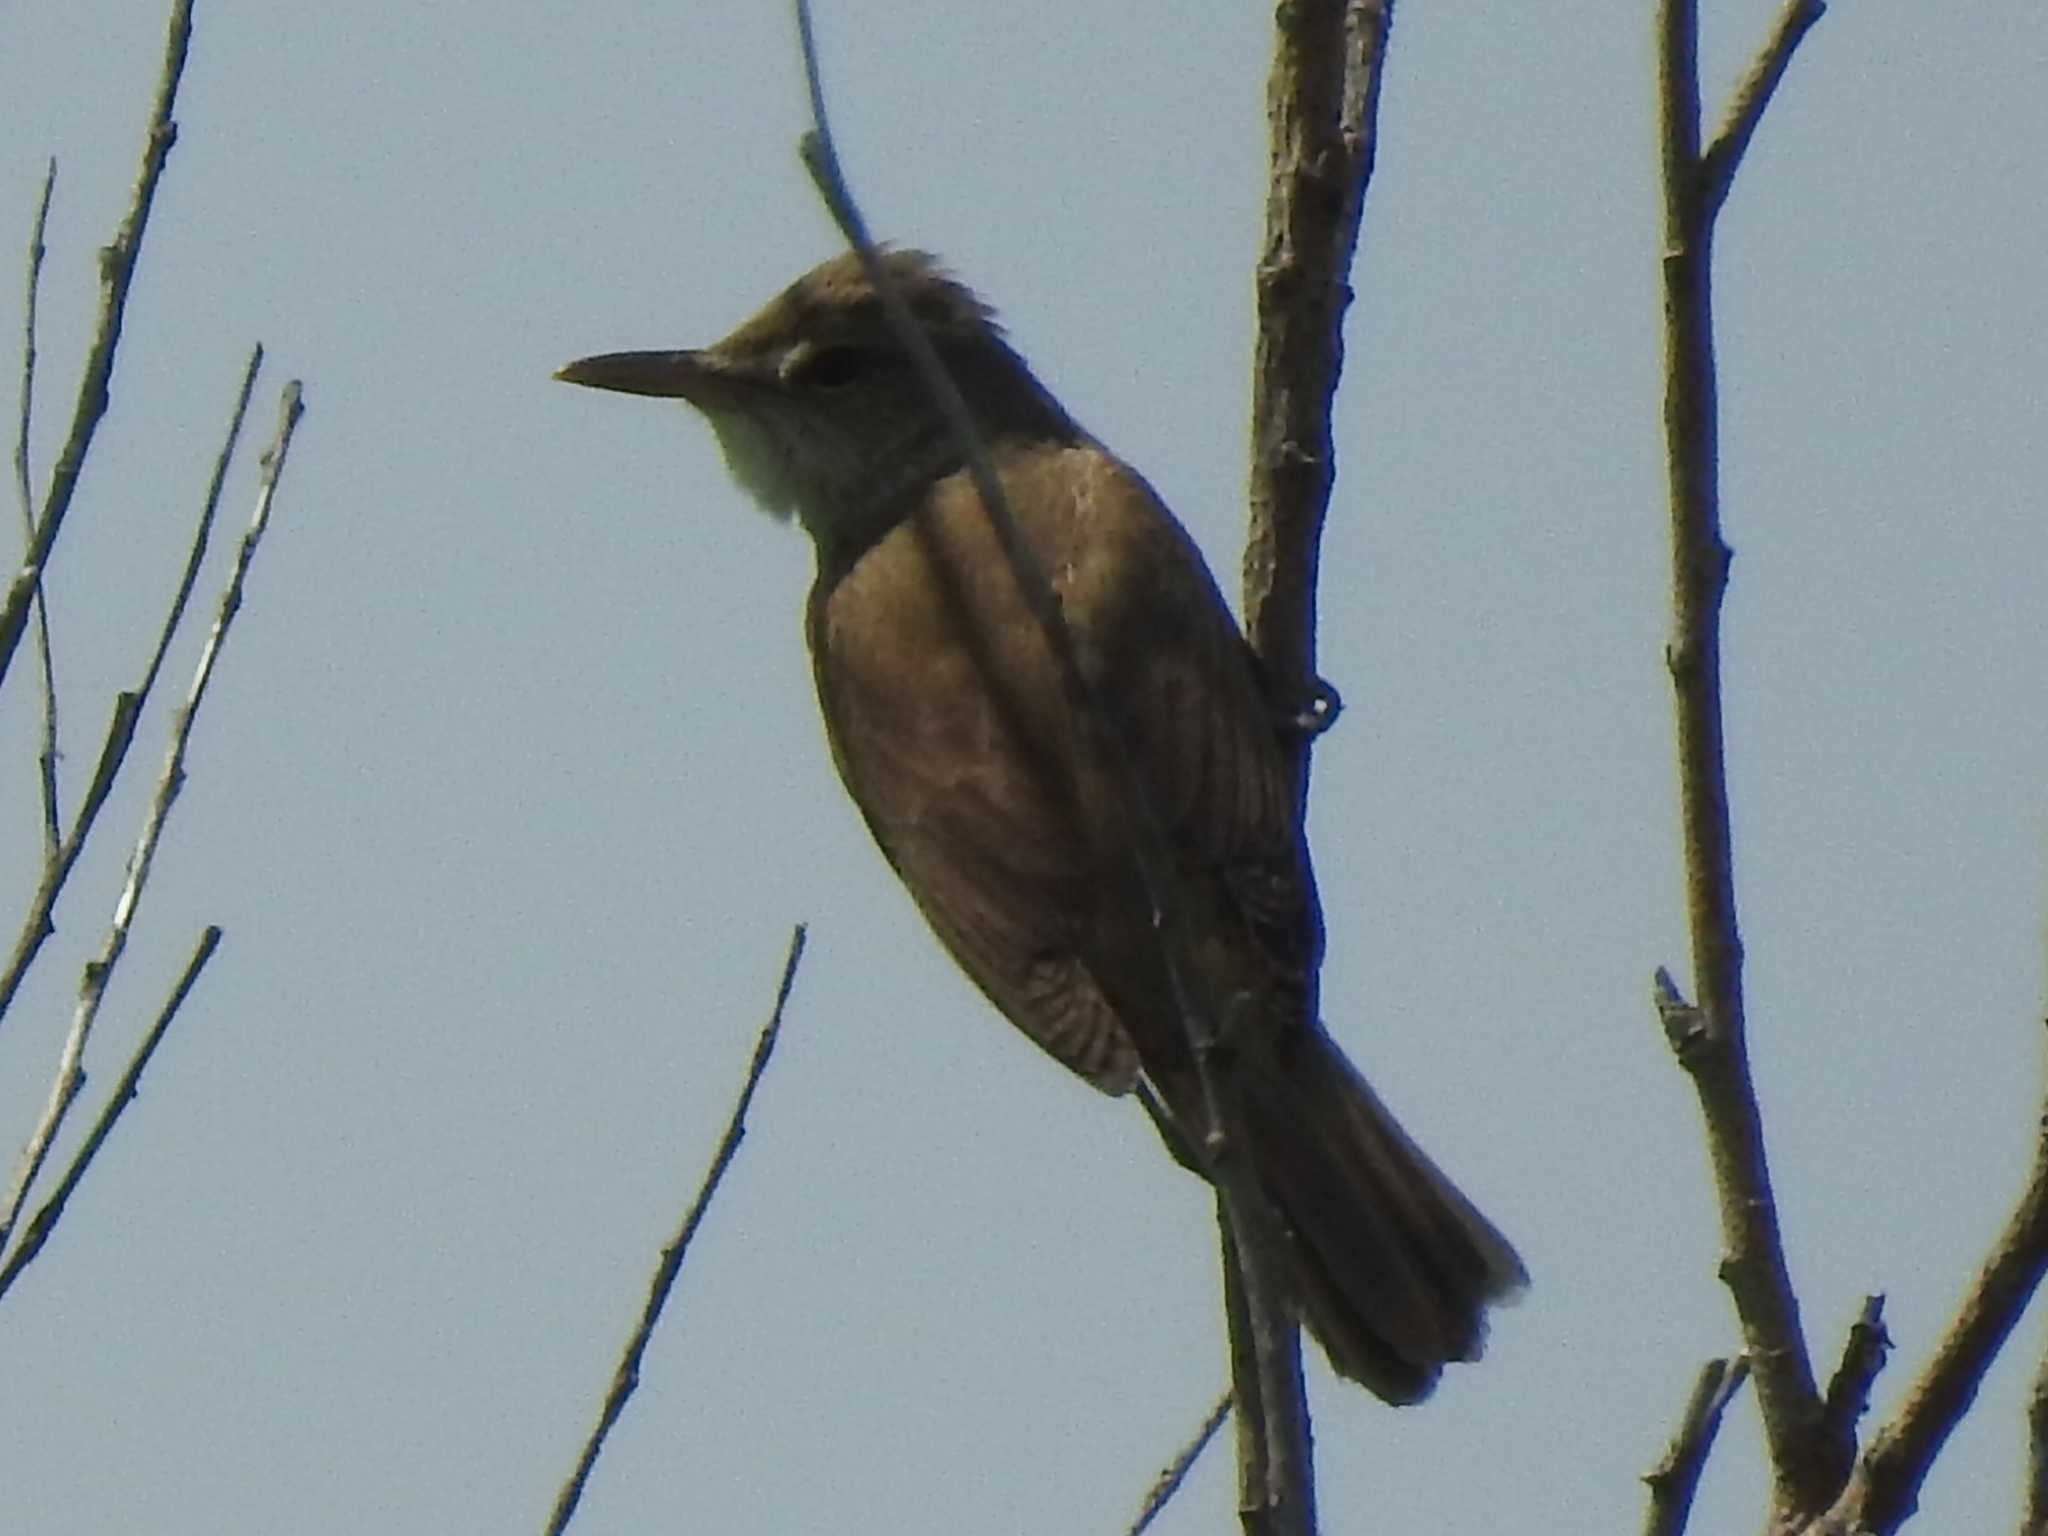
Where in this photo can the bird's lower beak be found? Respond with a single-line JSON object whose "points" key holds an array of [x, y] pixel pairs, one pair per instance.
{"points": [[669, 375]]}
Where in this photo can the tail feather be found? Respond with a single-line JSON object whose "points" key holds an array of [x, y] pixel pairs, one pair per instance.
{"points": [[1394, 1268]]}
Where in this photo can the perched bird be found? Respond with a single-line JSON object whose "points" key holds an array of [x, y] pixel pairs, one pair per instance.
{"points": [[951, 729]]}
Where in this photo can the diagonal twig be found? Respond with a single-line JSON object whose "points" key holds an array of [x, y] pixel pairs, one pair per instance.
{"points": [[46, 757], [1176, 1471], [627, 1376], [45, 1220], [128, 705], [1676, 1477], [70, 1078]]}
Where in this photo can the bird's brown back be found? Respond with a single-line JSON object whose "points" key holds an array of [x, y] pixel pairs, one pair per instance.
{"points": [[951, 729]]}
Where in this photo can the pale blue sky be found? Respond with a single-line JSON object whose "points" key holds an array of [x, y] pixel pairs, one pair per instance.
{"points": [[512, 783]]}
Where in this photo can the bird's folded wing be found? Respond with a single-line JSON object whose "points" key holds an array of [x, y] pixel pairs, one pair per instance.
{"points": [[976, 823]]}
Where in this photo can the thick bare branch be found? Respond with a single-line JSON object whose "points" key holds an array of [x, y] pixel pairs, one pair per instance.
{"points": [[1713, 1041], [1322, 109], [627, 1377], [1276, 1483]]}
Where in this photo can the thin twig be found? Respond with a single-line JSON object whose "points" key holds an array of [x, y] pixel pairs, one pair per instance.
{"points": [[117, 271], [1885, 1487], [627, 1376], [1676, 1477], [1716, 1055], [46, 757], [99, 970], [45, 1220], [202, 536], [1250, 1219], [128, 706], [1177, 1470]]}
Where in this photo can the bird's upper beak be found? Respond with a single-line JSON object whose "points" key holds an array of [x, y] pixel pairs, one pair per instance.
{"points": [[671, 375], [698, 377]]}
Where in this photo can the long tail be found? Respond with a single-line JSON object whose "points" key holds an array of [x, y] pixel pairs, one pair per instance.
{"points": [[1394, 1267]]}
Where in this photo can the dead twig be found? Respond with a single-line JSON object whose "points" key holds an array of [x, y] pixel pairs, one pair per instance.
{"points": [[120, 736], [37, 1232], [46, 757], [70, 1077], [1676, 1477], [627, 1377], [1177, 1470]]}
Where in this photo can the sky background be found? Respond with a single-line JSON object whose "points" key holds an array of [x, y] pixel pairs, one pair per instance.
{"points": [[512, 786]]}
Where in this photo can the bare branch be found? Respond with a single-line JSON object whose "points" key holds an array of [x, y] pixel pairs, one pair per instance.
{"points": [[627, 1376], [1177, 1470], [45, 1220], [70, 1077], [1714, 1049], [1276, 1482], [1724, 156], [128, 705], [1885, 1488], [1322, 108], [117, 270], [46, 757], [1676, 1477]]}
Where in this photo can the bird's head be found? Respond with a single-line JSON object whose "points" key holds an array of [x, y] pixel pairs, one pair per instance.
{"points": [[817, 405]]}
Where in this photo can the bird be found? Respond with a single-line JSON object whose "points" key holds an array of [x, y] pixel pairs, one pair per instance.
{"points": [[947, 719]]}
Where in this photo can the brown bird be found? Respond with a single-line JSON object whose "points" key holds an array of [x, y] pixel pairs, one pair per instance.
{"points": [[951, 729]]}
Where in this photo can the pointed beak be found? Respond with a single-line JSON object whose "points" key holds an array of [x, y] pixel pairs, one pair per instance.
{"points": [[705, 377], [691, 376]]}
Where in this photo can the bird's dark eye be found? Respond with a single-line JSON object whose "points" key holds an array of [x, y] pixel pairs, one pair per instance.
{"points": [[830, 367]]}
